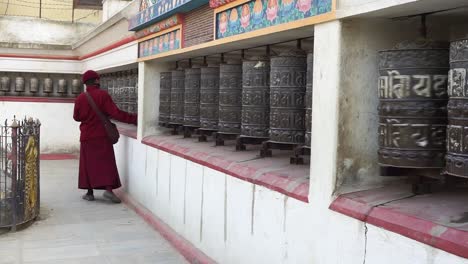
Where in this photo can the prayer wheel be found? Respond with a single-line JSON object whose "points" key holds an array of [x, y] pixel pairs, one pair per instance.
{"points": [[413, 106], [209, 98], [5, 84], [457, 129], [255, 97], [77, 86], [177, 97], [19, 84], [48, 85], [308, 99], [192, 97], [62, 86], [230, 97], [287, 92], [33, 85], [165, 98]]}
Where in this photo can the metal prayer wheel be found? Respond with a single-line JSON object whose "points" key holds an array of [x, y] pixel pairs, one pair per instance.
{"points": [[230, 98], [19, 84], [177, 97], [5, 84], [457, 129], [165, 98], [255, 97], [48, 85], [413, 106], [76, 86], [209, 98], [62, 86], [33, 85], [192, 97], [287, 92], [308, 99]]}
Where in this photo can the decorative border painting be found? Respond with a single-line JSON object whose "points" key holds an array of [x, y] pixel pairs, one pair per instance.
{"points": [[160, 26], [159, 8], [218, 3], [162, 43], [259, 14]]}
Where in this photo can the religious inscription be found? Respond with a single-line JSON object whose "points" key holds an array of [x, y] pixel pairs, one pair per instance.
{"points": [[457, 129], [177, 97], [165, 98], [230, 98], [413, 107], [209, 98], [192, 97], [287, 94]]}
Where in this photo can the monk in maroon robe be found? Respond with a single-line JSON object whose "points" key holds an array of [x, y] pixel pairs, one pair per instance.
{"points": [[97, 161]]}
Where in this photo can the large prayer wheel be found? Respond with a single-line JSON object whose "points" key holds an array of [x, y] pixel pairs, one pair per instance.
{"points": [[177, 97], [165, 98], [192, 97], [413, 106], [256, 97], [209, 98], [230, 97], [287, 92], [308, 99], [457, 144]]}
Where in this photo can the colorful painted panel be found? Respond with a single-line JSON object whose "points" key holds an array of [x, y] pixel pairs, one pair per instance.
{"points": [[162, 9], [218, 3], [160, 44], [259, 14], [160, 26]]}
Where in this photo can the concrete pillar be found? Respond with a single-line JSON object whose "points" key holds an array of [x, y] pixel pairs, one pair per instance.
{"points": [[327, 51], [148, 97]]}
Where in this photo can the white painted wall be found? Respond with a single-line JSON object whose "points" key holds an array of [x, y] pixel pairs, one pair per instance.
{"points": [[234, 221], [111, 7], [15, 29], [59, 132], [123, 55], [40, 65]]}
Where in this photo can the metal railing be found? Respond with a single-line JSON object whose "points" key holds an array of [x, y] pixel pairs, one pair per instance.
{"points": [[19, 172]]}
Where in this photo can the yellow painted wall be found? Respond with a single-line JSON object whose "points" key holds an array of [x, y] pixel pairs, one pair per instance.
{"points": [[60, 10]]}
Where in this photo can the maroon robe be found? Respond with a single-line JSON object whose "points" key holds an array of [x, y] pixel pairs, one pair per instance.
{"points": [[97, 161]]}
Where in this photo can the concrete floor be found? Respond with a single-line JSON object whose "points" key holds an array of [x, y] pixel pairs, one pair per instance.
{"points": [[71, 230]]}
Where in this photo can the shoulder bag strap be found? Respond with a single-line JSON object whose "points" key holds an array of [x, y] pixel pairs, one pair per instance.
{"points": [[103, 118]]}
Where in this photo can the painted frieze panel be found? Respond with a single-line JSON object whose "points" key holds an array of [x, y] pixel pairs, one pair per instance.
{"points": [[160, 26], [259, 14], [163, 43]]}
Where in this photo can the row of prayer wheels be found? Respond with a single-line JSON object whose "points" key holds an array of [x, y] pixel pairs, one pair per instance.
{"points": [[260, 97], [39, 85], [123, 88], [423, 107]]}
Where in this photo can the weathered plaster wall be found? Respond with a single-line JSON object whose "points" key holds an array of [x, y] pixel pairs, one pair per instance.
{"points": [[40, 31], [111, 7], [59, 132]]}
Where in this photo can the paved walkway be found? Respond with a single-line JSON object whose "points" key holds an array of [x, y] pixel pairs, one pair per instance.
{"points": [[71, 230]]}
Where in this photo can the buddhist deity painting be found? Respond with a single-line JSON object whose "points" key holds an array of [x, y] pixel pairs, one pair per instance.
{"points": [[258, 14], [153, 10], [163, 43]]}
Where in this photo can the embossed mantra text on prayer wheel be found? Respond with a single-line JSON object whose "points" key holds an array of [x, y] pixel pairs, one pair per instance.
{"points": [[230, 97], [256, 97], [192, 97], [413, 105], [457, 143], [177, 97], [165, 98], [287, 93], [209, 97]]}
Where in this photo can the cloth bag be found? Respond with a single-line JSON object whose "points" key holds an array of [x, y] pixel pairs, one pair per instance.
{"points": [[111, 129]]}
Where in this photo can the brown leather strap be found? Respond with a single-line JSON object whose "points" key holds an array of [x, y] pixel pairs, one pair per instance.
{"points": [[103, 118]]}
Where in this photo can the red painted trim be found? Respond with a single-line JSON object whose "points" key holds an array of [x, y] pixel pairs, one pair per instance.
{"points": [[109, 47], [272, 179], [127, 131], [446, 238], [76, 58], [187, 249], [34, 56], [36, 99], [58, 156]]}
